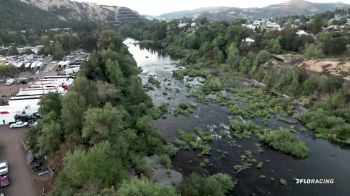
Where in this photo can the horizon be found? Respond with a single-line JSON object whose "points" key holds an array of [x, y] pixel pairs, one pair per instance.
{"points": [[164, 7]]}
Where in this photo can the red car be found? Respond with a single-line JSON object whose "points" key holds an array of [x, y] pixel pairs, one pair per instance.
{"points": [[4, 181]]}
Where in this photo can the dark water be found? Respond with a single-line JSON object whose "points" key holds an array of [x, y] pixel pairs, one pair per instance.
{"points": [[325, 161]]}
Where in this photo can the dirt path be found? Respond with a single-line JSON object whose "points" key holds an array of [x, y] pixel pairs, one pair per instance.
{"points": [[21, 178]]}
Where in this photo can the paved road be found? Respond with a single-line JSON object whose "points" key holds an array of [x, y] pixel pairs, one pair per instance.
{"points": [[21, 178]]}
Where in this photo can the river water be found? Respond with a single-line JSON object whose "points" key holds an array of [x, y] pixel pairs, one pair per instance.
{"points": [[326, 160]]}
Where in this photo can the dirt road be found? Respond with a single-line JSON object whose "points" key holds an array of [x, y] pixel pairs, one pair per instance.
{"points": [[21, 177]]}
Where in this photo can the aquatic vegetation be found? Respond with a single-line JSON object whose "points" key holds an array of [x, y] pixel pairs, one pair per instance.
{"points": [[182, 109], [158, 112], [283, 182], [153, 81], [259, 165], [242, 130], [328, 125], [198, 141], [285, 141], [287, 120]]}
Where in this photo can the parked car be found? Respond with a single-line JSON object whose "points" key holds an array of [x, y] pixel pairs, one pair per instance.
{"points": [[18, 124], [4, 181], [10, 82], [4, 169]]}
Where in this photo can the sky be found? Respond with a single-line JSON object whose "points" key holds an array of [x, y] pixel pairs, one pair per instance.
{"points": [[157, 7]]}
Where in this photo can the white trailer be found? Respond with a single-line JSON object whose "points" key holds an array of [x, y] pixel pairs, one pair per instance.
{"points": [[24, 102], [7, 115], [71, 71]]}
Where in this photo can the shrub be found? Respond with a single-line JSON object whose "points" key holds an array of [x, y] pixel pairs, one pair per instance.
{"points": [[283, 140]]}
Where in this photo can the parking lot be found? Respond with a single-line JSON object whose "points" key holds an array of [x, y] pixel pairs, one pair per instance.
{"points": [[22, 180]]}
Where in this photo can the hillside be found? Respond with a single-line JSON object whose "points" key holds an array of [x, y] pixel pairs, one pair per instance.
{"points": [[24, 14], [17, 15], [71, 10], [293, 7]]}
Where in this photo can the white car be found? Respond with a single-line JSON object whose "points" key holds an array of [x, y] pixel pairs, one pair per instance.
{"points": [[4, 168], [18, 124], [9, 82]]}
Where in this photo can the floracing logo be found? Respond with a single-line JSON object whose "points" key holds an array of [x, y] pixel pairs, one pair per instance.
{"points": [[314, 181]]}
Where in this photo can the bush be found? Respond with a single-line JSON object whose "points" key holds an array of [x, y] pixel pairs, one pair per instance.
{"points": [[312, 52], [283, 140], [195, 185]]}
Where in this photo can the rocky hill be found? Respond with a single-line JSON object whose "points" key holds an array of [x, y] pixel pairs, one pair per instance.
{"points": [[24, 14], [293, 7], [71, 10]]}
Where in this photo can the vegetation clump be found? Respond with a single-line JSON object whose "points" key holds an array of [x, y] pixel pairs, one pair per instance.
{"points": [[285, 141], [152, 80]]}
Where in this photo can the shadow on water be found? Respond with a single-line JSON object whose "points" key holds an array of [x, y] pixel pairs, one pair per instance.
{"points": [[326, 160]]}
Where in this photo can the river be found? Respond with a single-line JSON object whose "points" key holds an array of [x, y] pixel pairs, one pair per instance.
{"points": [[326, 160]]}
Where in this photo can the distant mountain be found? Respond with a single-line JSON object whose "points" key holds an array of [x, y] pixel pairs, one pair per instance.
{"points": [[26, 14], [293, 7]]}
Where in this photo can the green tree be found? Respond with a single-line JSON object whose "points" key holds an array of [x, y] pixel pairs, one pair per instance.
{"points": [[144, 187], [73, 108], [86, 89], [50, 102], [108, 39], [96, 164], [103, 124], [273, 46], [50, 138], [262, 57], [12, 51], [8, 71], [316, 25], [58, 52], [115, 73]]}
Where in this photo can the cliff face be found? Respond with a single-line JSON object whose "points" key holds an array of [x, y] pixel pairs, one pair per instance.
{"points": [[71, 10]]}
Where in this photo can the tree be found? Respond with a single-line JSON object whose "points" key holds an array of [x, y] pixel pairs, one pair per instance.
{"points": [[273, 46], [97, 164], [115, 73], [50, 102], [337, 45], [108, 39], [316, 25], [262, 57], [144, 187], [103, 124], [329, 84], [12, 51], [73, 108], [58, 52], [312, 52], [50, 138], [86, 89], [8, 71], [136, 93]]}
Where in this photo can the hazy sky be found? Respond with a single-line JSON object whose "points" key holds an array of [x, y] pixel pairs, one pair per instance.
{"points": [[156, 7]]}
